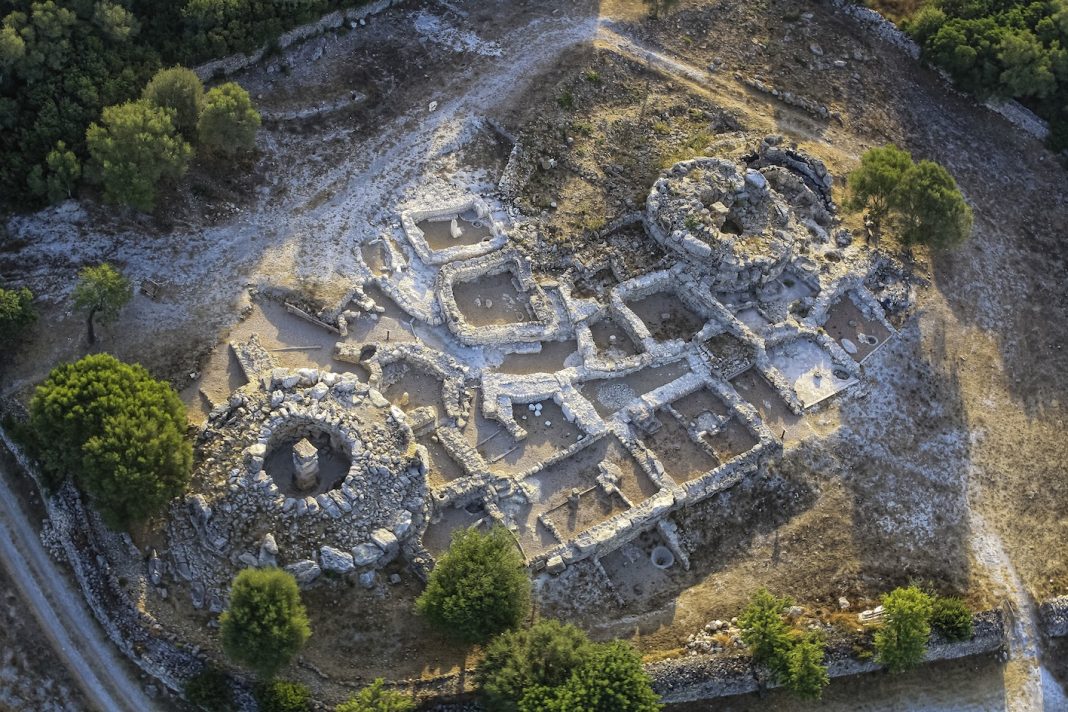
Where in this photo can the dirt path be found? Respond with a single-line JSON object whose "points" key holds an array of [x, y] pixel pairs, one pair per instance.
{"points": [[59, 610], [1028, 685]]}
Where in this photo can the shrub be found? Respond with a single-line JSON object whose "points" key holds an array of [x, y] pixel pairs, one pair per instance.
{"points": [[764, 630], [210, 689], [133, 148], [951, 618], [376, 698], [901, 642], [16, 312], [553, 667], [101, 290], [610, 679], [228, 123], [283, 696], [479, 588], [805, 675], [542, 656], [117, 431], [266, 624], [180, 90]]}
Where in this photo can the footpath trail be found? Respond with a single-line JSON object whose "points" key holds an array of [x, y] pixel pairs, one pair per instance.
{"points": [[71, 629]]}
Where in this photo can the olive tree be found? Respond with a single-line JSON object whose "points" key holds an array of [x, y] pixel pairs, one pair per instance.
{"points": [[922, 198], [133, 148], [117, 431], [266, 623], [479, 588], [103, 291]]}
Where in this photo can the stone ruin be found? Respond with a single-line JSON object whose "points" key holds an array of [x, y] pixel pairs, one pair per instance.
{"points": [[667, 401], [305, 465]]}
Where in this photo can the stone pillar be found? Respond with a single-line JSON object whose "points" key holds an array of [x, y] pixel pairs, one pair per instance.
{"points": [[305, 465]]}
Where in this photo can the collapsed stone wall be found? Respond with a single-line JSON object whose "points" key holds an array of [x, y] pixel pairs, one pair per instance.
{"points": [[76, 531], [706, 677]]}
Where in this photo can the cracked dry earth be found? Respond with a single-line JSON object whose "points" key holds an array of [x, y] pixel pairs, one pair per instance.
{"points": [[944, 464]]}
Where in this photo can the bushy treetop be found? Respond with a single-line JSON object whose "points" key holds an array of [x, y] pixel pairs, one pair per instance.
{"points": [[376, 697], [266, 623], [180, 90], [16, 312], [134, 146], [228, 123], [922, 198], [479, 588], [552, 667], [763, 628], [117, 431], [901, 641]]}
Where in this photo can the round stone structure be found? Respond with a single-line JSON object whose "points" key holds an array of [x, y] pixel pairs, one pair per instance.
{"points": [[358, 521], [727, 219]]}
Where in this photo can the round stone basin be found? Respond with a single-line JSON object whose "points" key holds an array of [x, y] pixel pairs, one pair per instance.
{"points": [[662, 558]]}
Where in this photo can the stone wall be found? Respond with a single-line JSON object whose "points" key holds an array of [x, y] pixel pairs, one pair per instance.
{"points": [[707, 677], [226, 66]]}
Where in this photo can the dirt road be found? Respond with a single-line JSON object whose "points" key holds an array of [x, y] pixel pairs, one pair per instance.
{"points": [[59, 610]]}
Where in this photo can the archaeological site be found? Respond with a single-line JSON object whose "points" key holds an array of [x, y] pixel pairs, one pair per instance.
{"points": [[517, 355]]}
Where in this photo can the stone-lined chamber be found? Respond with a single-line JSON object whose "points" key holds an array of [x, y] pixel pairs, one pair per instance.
{"points": [[242, 516]]}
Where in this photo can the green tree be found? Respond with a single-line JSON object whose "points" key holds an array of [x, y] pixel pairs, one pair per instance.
{"points": [[479, 589], [610, 679], [180, 90], [377, 698], [115, 22], [1028, 70], [930, 208], [542, 656], [951, 618], [12, 46], [901, 641], [133, 149], [283, 696], [872, 185], [805, 675], [210, 689], [16, 312], [228, 123], [764, 630], [101, 290], [64, 170], [117, 431], [266, 624]]}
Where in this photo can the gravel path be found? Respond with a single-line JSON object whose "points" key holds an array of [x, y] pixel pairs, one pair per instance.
{"points": [[72, 632]]}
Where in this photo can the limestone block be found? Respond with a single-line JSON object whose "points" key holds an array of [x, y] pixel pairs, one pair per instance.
{"points": [[403, 524], [304, 571], [366, 554], [385, 540], [336, 560]]}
